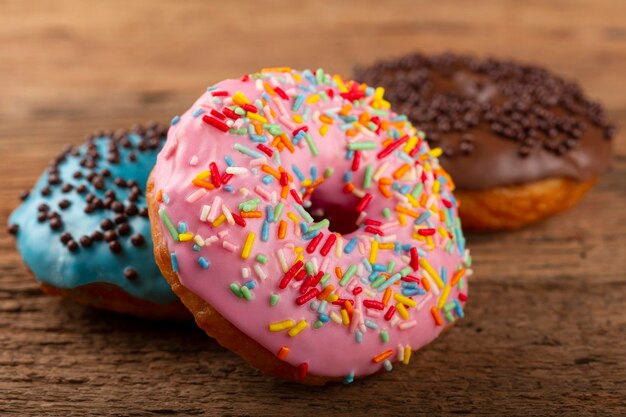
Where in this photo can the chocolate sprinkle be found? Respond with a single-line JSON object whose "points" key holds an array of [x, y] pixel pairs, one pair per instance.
{"points": [[130, 273]]}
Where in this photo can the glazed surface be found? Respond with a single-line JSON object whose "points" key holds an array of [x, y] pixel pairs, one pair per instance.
{"points": [[60, 248], [498, 122], [354, 161]]}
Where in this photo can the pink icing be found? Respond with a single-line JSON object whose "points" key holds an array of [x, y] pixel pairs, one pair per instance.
{"points": [[333, 349]]}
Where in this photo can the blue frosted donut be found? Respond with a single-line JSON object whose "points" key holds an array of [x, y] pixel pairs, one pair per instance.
{"points": [[85, 222]]}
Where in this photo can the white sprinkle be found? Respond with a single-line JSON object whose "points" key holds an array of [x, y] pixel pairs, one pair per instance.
{"points": [[210, 240], [205, 212], [407, 324], [400, 353], [231, 247], [199, 240], [236, 170], [215, 207], [193, 161], [245, 272], [228, 215], [196, 195], [260, 272], [222, 234]]}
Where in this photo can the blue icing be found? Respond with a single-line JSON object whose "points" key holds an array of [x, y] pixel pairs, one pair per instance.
{"points": [[53, 263]]}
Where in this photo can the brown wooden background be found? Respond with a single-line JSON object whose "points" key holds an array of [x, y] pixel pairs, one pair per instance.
{"points": [[545, 332]]}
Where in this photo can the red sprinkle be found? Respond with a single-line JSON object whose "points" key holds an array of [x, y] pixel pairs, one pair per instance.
{"points": [[356, 161], [284, 178], [230, 114], [215, 175], [446, 203], [426, 232], [331, 93], [300, 275], [370, 222], [462, 296], [295, 196], [281, 93], [392, 147], [217, 114], [390, 312], [317, 278], [245, 78], [328, 244], [291, 272], [304, 128], [410, 278], [306, 283], [250, 107], [239, 220], [226, 177], [210, 120], [376, 305], [357, 291], [373, 230], [219, 93], [414, 259], [314, 292], [365, 201], [303, 368], [314, 242], [267, 151]]}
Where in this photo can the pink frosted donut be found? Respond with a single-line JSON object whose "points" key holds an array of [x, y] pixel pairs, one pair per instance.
{"points": [[298, 208]]}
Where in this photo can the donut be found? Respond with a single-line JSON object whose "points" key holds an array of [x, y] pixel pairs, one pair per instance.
{"points": [[307, 227], [521, 143], [83, 230]]}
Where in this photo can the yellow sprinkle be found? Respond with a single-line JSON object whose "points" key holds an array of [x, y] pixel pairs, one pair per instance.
{"points": [[436, 152], [407, 355], [255, 116], [444, 297], [279, 326], [433, 274], [436, 187], [293, 217], [404, 300], [345, 319], [277, 69], [412, 200], [431, 242], [332, 298], [295, 330], [373, 251], [296, 76], [313, 99], [386, 246], [185, 237], [342, 87], [410, 144], [402, 219], [203, 175], [297, 118], [324, 130], [221, 219], [402, 311], [240, 99], [379, 93], [442, 231], [247, 247]]}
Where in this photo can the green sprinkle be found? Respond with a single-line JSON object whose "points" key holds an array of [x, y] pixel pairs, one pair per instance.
{"points": [[387, 213], [362, 146], [241, 131], [449, 317], [367, 179], [390, 266], [319, 76], [325, 279], [417, 190], [378, 282], [317, 324], [278, 211], [262, 259], [461, 284], [274, 299], [239, 111], [347, 275], [328, 172], [234, 287], [310, 268], [312, 147], [245, 291], [275, 131], [384, 336], [303, 213], [372, 126], [378, 112], [319, 225], [168, 223], [249, 205], [406, 271], [449, 307]]}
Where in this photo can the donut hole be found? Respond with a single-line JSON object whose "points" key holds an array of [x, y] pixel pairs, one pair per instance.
{"points": [[337, 207]]}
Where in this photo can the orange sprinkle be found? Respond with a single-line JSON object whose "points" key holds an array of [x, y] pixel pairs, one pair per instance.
{"points": [[338, 272], [382, 356], [276, 142], [387, 142], [401, 171], [426, 284], [351, 132], [159, 195], [326, 119], [251, 214], [423, 199], [406, 211], [385, 181], [287, 142], [325, 292], [349, 187], [284, 191], [268, 169], [435, 313], [203, 184], [457, 277], [364, 118], [349, 308], [384, 190], [283, 352], [386, 296], [282, 229], [345, 109], [269, 89], [258, 129]]}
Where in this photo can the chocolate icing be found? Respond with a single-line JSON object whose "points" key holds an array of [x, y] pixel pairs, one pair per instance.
{"points": [[498, 122]]}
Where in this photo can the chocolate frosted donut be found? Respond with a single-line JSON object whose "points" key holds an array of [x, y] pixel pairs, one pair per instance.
{"points": [[520, 143]]}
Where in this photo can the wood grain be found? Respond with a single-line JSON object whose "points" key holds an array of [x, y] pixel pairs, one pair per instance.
{"points": [[545, 332]]}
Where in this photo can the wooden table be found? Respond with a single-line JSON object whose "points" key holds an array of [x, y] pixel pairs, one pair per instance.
{"points": [[545, 332]]}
